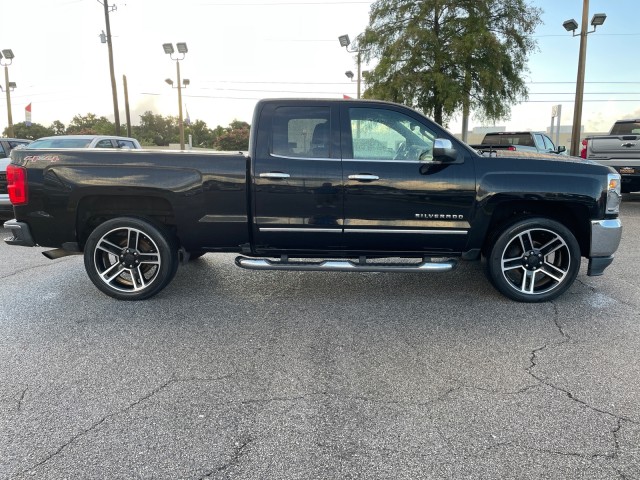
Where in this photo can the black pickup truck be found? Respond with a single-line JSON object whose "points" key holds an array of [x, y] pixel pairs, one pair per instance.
{"points": [[337, 185]]}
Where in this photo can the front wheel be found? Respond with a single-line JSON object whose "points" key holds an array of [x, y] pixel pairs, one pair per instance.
{"points": [[534, 260], [130, 258]]}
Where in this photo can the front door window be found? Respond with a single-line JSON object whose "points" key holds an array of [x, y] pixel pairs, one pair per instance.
{"points": [[379, 134]]}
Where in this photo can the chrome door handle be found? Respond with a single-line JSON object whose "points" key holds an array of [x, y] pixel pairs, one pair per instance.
{"points": [[364, 177], [274, 175]]}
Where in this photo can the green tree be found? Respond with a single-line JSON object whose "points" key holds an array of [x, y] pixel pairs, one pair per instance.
{"points": [[234, 138], [436, 55], [58, 127], [91, 124], [20, 130], [156, 130], [202, 136]]}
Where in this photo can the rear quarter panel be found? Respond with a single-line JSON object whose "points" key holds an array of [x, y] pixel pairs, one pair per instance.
{"points": [[201, 196]]}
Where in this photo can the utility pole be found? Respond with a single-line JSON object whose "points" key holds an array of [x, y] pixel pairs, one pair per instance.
{"points": [[126, 105], [114, 92], [7, 87]]}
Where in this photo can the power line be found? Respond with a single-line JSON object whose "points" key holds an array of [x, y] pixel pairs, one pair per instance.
{"points": [[253, 4], [584, 82], [632, 100], [599, 34], [586, 93]]}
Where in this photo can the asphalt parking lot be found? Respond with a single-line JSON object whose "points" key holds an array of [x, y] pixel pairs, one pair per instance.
{"points": [[230, 373]]}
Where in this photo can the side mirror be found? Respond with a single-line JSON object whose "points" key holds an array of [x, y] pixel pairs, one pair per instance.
{"points": [[561, 149], [443, 150]]}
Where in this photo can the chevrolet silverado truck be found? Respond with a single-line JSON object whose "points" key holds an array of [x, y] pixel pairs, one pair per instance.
{"points": [[528, 142], [327, 185], [620, 150]]}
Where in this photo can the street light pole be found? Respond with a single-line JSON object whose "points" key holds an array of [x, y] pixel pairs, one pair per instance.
{"points": [[114, 92], [344, 42], [359, 73], [182, 49], [571, 26], [180, 119], [8, 90], [582, 60], [6, 58]]}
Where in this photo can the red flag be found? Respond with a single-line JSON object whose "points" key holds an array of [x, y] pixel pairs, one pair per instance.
{"points": [[27, 115]]}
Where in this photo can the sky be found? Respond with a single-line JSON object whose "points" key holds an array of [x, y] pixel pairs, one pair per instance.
{"points": [[244, 50]]}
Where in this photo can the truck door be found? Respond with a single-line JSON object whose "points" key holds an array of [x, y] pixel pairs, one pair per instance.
{"points": [[398, 197], [297, 178]]}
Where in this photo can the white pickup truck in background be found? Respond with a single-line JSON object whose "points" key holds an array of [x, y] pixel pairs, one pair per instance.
{"points": [[530, 142], [620, 150]]}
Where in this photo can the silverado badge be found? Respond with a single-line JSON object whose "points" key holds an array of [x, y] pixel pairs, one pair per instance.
{"points": [[439, 216]]}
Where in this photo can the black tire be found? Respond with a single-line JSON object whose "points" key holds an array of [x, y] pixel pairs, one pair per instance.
{"points": [[533, 260], [130, 258]]}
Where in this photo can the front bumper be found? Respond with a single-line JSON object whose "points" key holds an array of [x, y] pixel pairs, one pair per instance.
{"points": [[605, 239], [21, 234]]}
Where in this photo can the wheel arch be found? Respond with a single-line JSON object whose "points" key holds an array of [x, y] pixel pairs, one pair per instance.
{"points": [[96, 209], [574, 217]]}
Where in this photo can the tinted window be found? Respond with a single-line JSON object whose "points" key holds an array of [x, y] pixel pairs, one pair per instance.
{"points": [[104, 144], [59, 143], [379, 134], [509, 139], [301, 132], [626, 128], [3, 154], [125, 144]]}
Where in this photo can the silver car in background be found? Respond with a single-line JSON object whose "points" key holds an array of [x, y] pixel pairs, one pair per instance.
{"points": [[85, 141]]}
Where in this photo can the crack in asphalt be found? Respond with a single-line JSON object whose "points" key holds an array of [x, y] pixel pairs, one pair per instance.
{"points": [[619, 418], [240, 449], [21, 399], [97, 424], [457, 382], [565, 339], [44, 265], [595, 290]]}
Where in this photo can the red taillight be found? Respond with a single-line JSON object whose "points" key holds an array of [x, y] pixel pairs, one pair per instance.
{"points": [[511, 148], [583, 150], [17, 184]]}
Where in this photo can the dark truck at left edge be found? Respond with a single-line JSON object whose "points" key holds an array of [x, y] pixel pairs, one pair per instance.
{"points": [[335, 185]]}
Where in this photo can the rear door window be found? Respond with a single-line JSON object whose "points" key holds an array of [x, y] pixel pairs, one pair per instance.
{"points": [[301, 132], [104, 144], [125, 144]]}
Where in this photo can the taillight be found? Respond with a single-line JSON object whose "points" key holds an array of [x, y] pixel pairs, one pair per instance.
{"points": [[583, 150], [17, 184], [511, 148]]}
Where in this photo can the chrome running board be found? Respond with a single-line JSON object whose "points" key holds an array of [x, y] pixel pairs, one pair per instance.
{"points": [[344, 265]]}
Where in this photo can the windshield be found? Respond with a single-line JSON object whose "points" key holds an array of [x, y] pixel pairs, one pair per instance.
{"points": [[626, 128], [60, 143]]}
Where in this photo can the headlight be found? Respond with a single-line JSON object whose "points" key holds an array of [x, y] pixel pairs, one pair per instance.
{"points": [[614, 195]]}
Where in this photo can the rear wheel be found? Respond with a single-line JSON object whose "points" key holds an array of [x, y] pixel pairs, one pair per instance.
{"points": [[534, 260], [130, 258]]}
